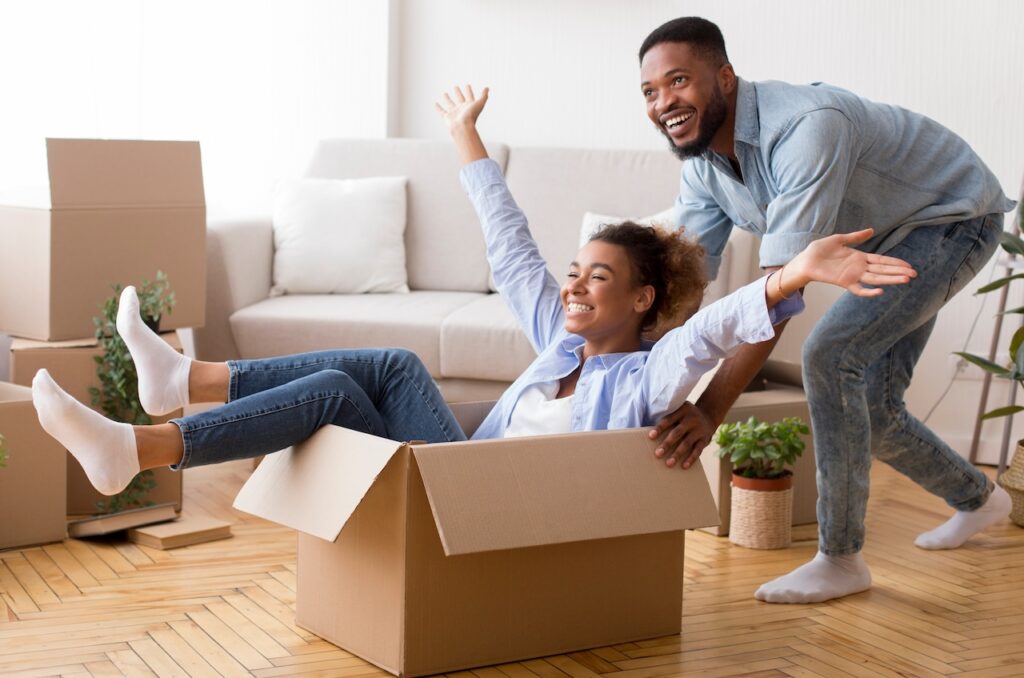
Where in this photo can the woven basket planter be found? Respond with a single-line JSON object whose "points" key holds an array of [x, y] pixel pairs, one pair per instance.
{"points": [[762, 512], [1012, 481]]}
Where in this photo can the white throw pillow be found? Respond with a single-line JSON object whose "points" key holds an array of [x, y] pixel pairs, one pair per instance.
{"points": [[339, 236], [593, 222]]}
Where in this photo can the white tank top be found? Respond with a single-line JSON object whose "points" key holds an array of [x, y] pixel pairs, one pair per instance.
{"points": [[538, 412]]}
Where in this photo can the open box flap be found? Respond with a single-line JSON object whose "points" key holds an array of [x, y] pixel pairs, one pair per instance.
{"points": [[504, 494], [93, 173], [316, 486]]}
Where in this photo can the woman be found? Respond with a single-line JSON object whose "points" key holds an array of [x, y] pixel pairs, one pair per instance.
{"points": [[594, 369]]}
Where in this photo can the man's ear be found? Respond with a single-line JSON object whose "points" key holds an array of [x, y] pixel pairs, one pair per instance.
{"points": [[727, 79], [644, 299]]}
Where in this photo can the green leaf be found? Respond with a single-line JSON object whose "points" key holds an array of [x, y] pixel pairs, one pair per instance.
{"points": [[996, 284], [1015, 342], [1019, 309], [984, 364], [1011, 243], [1003, 411]]}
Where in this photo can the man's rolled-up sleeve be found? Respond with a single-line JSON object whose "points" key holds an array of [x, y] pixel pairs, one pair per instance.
{"points": [[698, 213], [812, 164]]}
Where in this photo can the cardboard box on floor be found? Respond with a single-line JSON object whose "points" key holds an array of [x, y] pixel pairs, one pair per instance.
{"points": [[72, 366], [425, 559], [32, 497], [115, 212], [773, 403]]}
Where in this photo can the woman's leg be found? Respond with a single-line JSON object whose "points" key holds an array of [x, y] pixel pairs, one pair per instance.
{"points": [[394, 379], [112, 453]]}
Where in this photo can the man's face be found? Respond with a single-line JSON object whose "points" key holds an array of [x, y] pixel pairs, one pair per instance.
{"points": [[684, 99]]}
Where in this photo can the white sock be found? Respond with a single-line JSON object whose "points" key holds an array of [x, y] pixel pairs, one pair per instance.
{"points": [[106, 449], [163, 372], [965, 524], [824, 578]]}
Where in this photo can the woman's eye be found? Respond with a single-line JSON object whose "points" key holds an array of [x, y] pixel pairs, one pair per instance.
{"points": [[573, 274], [597, 277]]}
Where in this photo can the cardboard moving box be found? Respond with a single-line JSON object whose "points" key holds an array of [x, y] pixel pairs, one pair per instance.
{"points": [[32, 483], [116, 212], [432, 558], [71, 365]]}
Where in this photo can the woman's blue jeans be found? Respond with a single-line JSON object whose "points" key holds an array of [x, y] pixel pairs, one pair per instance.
{"points": [[278, 402], [858, 362]]}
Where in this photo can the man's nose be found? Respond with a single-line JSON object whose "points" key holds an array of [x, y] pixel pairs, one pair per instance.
{"points": [[666, 101]]}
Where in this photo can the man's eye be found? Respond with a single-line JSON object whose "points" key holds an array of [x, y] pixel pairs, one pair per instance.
{"points": [[679, 79], [597, 277], [573, 274], [648, 93]]}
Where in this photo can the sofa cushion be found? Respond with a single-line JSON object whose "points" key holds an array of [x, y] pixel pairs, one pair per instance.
{"points": [[339, 236], [300, 323], [481, 340], [555, 187], [443, 245]]}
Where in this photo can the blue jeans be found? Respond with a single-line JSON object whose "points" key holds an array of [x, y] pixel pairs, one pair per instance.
{"points": [[858, 362], [279, 402]]}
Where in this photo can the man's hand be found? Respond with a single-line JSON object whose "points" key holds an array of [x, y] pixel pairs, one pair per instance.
{"points": [[689, 432]]}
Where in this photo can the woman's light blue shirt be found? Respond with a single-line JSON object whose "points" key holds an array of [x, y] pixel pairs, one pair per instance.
{"points": [[615, 390]]}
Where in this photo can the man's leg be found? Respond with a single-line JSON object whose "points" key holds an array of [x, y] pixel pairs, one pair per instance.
{"points": [[854, 334], [905, 443]]}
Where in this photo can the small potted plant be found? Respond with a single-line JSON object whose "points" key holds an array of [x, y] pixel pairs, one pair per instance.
{"points": [[3, 451], [762, 486]]}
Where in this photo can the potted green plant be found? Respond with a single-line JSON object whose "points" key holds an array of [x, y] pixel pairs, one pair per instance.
{"points": [[3, 451], [762, 486], [118, 394], [1013, 479]]}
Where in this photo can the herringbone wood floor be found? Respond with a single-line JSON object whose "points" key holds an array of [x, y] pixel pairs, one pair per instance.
{"points": [[108, 608]]}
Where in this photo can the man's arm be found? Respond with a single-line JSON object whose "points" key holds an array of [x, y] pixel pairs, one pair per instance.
{"points": [[691, 427]]}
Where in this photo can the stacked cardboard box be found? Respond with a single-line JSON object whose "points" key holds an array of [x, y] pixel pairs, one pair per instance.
{"points": [[114, 212], [32, 496]]}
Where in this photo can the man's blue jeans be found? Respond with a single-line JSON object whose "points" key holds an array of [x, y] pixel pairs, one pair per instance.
{"points": [[858, 362], [278, 402]]}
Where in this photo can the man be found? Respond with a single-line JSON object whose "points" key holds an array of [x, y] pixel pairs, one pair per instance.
{"points": [[793, 164]]}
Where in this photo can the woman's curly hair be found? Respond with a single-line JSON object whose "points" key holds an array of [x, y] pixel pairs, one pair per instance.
{"points": [[669, 262]]}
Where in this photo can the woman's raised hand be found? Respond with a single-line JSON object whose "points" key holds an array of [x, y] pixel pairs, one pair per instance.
{"points": [[833, 260], [459, 108]]}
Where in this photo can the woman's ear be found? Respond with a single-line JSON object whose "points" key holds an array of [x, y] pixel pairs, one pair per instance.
{"points": [[644, 299]]}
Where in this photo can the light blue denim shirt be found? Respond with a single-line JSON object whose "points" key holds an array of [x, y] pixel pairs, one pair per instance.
{"points": [[615, 390], [818, 160]]}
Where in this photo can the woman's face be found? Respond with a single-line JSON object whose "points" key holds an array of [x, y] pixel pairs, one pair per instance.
{"points": [[600, 302]]}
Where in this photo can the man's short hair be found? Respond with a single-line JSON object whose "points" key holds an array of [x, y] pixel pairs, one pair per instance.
{"points": [[703, 35]]}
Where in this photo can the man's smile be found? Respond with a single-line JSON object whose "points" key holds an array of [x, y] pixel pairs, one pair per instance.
{"points": [[675, 122]]}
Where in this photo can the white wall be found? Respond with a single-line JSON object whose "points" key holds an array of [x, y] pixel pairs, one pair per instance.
{"points": [[256, 82], [565, 73]]}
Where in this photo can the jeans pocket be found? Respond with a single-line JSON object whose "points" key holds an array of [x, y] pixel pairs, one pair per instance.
{"points": [[978, 252]]}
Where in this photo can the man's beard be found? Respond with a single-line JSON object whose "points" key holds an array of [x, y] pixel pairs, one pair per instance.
{"points": [[714, 115]]}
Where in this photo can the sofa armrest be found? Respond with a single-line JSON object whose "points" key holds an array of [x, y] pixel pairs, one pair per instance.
{"points": [[239, 262]]}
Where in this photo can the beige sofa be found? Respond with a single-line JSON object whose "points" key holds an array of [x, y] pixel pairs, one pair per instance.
{"points": [[463, 332]]}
